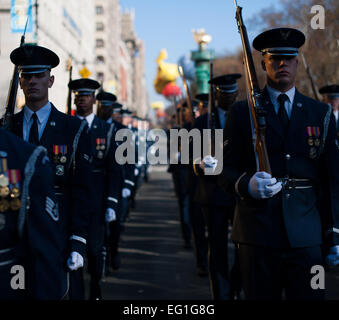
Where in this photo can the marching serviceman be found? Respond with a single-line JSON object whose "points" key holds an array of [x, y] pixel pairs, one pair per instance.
{"points": [[67, 144], [109, 111], [217, 205], [283, 217], [105, 182], [331, 97], [29, 224]]}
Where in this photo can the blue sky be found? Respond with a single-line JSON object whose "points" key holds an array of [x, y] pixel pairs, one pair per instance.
{"points": [[168, 24]]}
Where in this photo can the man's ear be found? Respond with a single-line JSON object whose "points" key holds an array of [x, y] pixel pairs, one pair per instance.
{"points": [[51, 81], [263, 65]]}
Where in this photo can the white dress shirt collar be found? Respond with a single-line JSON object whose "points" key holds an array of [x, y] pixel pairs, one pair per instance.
{"points": [[274, 94], [42, 113], [89, 119]]}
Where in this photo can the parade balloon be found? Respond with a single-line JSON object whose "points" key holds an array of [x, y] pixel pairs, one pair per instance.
{"points": [[171, 90]]}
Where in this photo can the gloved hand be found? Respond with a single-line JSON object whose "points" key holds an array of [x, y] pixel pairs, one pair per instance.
{"points": [[136, 172], [332, 258], [110, 215], [263, 186], [126, 192], [75, 261], [209, 164]]}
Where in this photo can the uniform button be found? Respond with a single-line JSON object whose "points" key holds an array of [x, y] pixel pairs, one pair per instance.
{"points": [[288, 157], [287, 196]]}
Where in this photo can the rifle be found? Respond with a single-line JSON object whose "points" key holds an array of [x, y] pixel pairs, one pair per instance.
{"points": [[257, 113], [211, 111], [69, 97], [13, 89], [308, 71], [188, 95]]}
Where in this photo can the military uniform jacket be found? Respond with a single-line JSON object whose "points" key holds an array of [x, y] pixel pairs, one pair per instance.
{"points": [[72, 173], [308, 215], [106, 172], [208, 192], [30, 235], [126, 169]]}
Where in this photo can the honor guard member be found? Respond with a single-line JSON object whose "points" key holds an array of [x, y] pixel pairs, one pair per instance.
{"points": [[105, 182], [281, 219], [217, 205], [198, 222], [331, 97], [67, 144], [29, 224], [126, 121], [202, 103], [179, 173], [108, 109]]}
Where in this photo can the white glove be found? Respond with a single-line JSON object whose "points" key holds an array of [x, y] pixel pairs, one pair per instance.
{"points": [[136, 172], [75, 261], [209, 164], [126, 192], [262, 185], [332, 258], [110, 215]]}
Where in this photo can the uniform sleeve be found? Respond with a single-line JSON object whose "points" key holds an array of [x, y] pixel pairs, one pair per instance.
{"points": [[81, 193], [114, 177], [329, 187], [237, 172], [46, 275]]}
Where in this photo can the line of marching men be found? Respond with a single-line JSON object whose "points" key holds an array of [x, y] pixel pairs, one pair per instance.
{"points": [[68, 198], [206, 210]]}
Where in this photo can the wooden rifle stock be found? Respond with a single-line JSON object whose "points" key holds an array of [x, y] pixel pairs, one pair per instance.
{"points": [[255, 97], [188, 95]]}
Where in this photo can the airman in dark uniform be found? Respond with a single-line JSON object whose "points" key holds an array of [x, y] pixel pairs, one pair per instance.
{"points": [[67, 143], [331, 97], [217, 205], [282, 219], [105, 182], [109, 111], [29, 223]]}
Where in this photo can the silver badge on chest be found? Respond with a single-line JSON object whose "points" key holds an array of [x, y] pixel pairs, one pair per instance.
{"points": [[59, 170]]}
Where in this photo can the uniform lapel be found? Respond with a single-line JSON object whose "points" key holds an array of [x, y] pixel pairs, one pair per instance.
{"points": [[17, 126], [51, 128]]}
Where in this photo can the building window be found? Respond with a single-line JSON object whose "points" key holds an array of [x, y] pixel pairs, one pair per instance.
{"points": [[99, 10], [101, 77], [100, 26], [100, 59], [100, 43]]}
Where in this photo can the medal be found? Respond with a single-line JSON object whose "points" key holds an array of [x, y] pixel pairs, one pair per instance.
{"points": [[3, 180], [4, 205], [63, 159], [14, 179], [317, 135], [60, 154], [2, 221], [4, 192], [103, 147], [15, 204], [310, 141]]}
